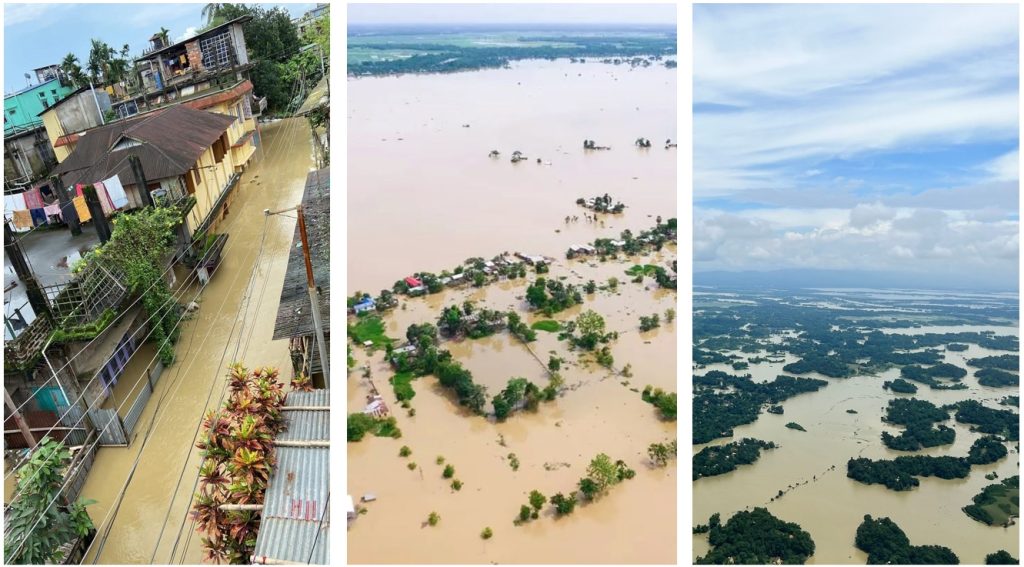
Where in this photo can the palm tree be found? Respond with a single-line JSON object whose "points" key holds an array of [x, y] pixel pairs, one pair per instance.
{"points": [[210, 12], [72, 70], [164, 36], [99, 57]]}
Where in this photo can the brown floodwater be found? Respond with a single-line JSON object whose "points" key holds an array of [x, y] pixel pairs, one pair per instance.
{"points": [[829, 505], [434, 198], [275, 181], [424, 195]]}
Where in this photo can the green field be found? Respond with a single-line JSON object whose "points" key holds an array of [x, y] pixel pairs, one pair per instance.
{"points": [[547, 325], [369, 329]]}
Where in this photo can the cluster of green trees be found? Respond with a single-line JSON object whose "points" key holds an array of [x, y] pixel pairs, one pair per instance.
{"points": [[996, 378], [985, 450], [359, 424], [444, 57], [886, 544], [899, 473], [536, 502], [519, 329], [664, 401], [661, 453], [602, 474], [830, 366], [1005, 496], [796, 426], [756, 537], [899, 385], [1001, 557], [520, 392], [1002, 362], [721, 459], [987, 420], [603, 204], [650, 322], [723, 401], [587, 331], [469, 321], [919, 417], [454, 376], [929, 375], [552, 296]]}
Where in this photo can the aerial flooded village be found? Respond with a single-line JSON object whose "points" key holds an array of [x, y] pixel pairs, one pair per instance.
{"points": [[511, 286], [166, 292]]}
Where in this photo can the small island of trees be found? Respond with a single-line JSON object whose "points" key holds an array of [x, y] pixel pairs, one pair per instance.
{"points": [[918, 416], [996, 378], [721, 459], [756, 537], [885, 543], [900, 385], [997, 503]]}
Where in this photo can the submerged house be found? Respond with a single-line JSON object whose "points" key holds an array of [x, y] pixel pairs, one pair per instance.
{"points": [[365, 305], [185, 161], [294, 316]]}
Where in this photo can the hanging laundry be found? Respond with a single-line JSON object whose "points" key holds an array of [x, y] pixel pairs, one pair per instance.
{"points": [[78, 189], [38, 216], [33, 200], [14, 202], [22, 219], [104, 199], [115, 190], [83, 210], [52, 210]]}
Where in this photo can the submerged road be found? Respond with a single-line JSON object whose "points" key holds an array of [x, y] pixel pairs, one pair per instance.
{"points": [[231, 318]]}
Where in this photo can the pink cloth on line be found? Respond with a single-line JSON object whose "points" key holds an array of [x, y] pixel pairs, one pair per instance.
{"points": [[78, 189], [33, 200], [105, 203], [51, 210]]}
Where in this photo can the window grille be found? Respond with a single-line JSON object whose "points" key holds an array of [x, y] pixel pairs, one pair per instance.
{"points": [[216, 50]]}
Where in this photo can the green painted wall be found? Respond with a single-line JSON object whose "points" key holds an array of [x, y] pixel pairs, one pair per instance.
{"points": [[22, 108]]}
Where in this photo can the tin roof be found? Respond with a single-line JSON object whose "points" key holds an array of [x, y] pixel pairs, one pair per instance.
{"points": [[169, 140], [294, 318], [295, 523]]}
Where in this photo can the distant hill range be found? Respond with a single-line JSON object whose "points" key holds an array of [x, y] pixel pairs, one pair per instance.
{"points": [[801, 279]]}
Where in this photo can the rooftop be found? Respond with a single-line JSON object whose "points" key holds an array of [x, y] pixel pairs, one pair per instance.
{"points": [[169, 141], [295, 522], [207, 33], [29, 88], [294, 318]]}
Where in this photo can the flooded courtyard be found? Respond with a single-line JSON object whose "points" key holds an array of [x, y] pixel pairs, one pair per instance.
{"points": [[424, 195]]}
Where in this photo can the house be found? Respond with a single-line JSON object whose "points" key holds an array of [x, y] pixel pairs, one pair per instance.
{"points": [[364, 305], [532, 259], [183, 153], [376, 407], [413, 282], [295, 522], [294, 315], [81, 110], [28, 155], [582, 249], [404, 348], [420, 289], [456, 279], [617, 243], [311, 17]]}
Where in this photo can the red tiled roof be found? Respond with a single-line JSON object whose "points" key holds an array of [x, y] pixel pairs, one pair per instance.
{"points": [[413, 281]]}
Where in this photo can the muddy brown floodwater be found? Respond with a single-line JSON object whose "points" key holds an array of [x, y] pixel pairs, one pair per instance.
{"points": [[424, 195], [276, 182], [829, 505]]}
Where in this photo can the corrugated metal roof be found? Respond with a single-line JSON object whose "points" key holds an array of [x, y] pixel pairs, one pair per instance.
{"points": [[170, 142], [295, 523], [294, 318], [312, 425]]}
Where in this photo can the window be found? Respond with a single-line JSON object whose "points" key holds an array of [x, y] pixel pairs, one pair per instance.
{"points": [[199, 179], [53, 92], [42, 95], [45, 104]]}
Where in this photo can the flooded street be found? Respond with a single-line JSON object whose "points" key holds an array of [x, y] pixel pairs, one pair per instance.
{"points": [[432, 199], [424, 195], [829, 505], [225, 323]]}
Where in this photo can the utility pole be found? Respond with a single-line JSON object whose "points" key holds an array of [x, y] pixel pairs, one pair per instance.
{"points": [[140, 180], [22, 425], [99, 218], [99, 111], [67, 208], [33, 290], [314, 298]]}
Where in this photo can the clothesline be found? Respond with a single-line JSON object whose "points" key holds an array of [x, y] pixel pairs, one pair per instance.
{"points": [[27, 210]]}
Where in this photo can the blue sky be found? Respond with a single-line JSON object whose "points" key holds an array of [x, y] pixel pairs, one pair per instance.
{"points": [[36, 35], [880, 137]]}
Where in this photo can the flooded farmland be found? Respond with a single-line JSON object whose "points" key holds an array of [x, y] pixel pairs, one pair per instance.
{"points": [[843, 420], [424, 196]]}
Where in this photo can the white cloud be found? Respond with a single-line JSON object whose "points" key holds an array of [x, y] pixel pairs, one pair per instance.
{"points": [[1004, 167], [21, 13], [189, 32]]}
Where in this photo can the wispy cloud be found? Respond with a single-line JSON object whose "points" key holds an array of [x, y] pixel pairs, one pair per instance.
{"points": [[15, 14], [856, 136]]}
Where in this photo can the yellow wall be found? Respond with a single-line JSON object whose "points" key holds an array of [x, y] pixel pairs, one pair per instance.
{"points": [[239, 128], [213, 177], [53, 131]]}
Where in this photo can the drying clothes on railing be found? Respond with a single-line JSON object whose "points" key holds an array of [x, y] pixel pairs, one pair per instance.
{"points": [[33, 200], [115, 190], [83, 211], [21, 219], [105, 201], [38, 216], [14, 202]]}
